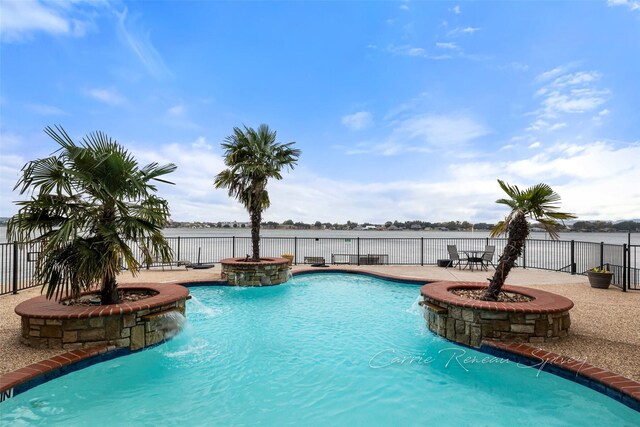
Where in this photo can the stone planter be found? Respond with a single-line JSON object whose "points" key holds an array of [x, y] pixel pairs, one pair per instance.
{"points": [[139, 324], [469, 322], [267, 272], [599, 280]]}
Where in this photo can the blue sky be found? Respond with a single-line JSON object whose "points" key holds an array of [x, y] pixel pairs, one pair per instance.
{"points": [[403, 110]]}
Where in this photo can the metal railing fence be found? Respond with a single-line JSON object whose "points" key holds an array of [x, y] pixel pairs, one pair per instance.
{"points": [[17, 260]]}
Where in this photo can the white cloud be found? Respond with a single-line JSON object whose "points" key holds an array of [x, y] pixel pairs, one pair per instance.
{"points": [[575, 101], [515, 66], [404, 7], [599, 118], [176, 111], [20, 20], [565, 92], [463, 30], [46, 110], [423, 133], [536, 144], [193, 197], [178, 116], [416, 52], [631, 4], [557, 126], [406, 50], [456, 9], [441, 130], [108, 96], [553, 73], [579, 78], [201, 144], [10, 166], [139, 41], [467, 190], [448, 45], [417, 103], [358, 121], [543, 125]]}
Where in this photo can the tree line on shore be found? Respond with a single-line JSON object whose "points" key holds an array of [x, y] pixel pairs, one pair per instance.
{"points": [[579, 226]]}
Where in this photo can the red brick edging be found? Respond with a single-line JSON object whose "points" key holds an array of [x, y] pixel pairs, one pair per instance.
{"points": [[39, 369], [543, 302], [44, 308]]}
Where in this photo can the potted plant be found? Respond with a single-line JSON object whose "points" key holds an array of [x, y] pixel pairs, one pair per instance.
{"points": [[289, 257], [599, 278]]}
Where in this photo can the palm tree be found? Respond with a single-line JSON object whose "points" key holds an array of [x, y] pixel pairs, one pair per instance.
{"points": [[88, 202], [252, 157], [538, 202]]}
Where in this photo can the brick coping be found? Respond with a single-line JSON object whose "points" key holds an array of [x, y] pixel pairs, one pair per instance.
{"points": [[43, 308], [263, 261], [543, 302], [620, 388], [45, 370]]}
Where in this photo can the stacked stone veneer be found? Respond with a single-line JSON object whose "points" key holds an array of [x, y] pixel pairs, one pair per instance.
{"points": [[139, 324], [269, 271], [469, 322]]}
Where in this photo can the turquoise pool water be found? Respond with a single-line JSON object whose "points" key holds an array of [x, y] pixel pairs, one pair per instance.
{"points": [[327, 349]]}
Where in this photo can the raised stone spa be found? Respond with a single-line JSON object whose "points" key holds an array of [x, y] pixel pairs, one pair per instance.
{"points": [[139, 324], [267, 272], [468, 321]]}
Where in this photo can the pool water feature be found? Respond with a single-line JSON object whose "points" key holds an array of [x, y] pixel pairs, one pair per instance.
{"points": [[335, 349]]}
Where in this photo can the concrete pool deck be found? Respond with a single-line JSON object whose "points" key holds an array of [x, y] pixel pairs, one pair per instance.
{"points": [[604, 332]]}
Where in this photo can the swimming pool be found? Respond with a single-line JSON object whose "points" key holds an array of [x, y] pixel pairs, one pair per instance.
{"points": [[335, 349]]}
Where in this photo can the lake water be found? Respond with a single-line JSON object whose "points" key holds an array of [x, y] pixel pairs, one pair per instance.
{"points": [[611, 238]]}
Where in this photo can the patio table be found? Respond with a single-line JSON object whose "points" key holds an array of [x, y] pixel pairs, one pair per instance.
{"points": [[473, 257]]}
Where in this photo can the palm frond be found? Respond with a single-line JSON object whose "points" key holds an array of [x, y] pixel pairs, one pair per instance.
{"points": [[90, 201]]}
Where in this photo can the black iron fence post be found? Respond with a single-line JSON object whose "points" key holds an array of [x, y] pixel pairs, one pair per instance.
{"points": [[15, 268], [148, 263], [573, 257], [629, 262], [601, 255], [358, 251], [422, 251], [233, 246], [295, 249], [625, 273], [178, 254], [524, 256]]}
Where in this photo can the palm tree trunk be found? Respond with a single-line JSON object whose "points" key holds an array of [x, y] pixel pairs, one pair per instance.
{"points": [[256, 218], [518, 232], [109, 290]]}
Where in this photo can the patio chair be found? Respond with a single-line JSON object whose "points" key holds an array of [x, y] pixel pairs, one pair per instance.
{"points": [[453, 256], [487, 257]]}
